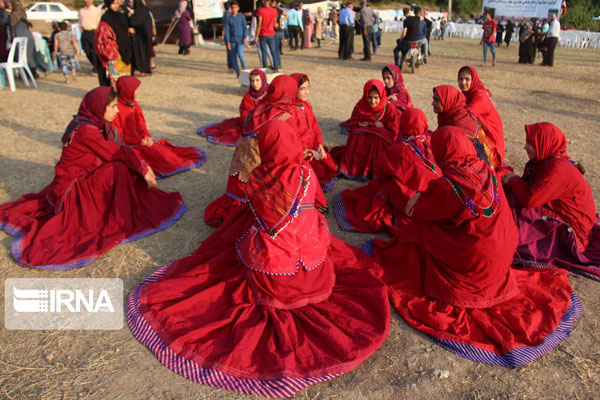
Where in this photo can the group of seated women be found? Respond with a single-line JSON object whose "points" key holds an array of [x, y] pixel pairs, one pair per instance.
{"points": [[271, 302]]}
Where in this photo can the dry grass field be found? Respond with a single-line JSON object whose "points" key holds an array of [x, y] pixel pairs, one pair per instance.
{"points": [[186, 93]]}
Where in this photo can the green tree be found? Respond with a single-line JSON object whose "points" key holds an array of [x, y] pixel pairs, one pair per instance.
{"points": [[579, 14]]}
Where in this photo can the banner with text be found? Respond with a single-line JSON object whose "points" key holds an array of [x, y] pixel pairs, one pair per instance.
{"points": [[206, 9], [522, 8]]}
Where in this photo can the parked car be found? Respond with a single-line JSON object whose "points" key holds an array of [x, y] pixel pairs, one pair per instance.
{"points": [[50, 12]]}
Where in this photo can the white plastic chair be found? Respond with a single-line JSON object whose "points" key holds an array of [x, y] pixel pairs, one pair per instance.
{"points": [[21, 65]]}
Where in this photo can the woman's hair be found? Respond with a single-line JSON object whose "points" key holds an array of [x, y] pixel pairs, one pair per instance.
{"points": [[465, 69], [113, 95], [374, 89], [302, 80], [580, 167]]}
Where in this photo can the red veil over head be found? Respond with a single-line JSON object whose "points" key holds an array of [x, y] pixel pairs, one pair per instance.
{"points": [[471, 178], [477, 86], [91, 112], [548, 140], [456, 112], [278, 101], [276, 187], [413, 122], [126, 87], [362, 107], [403, 100], [264, 84], [298, 77]]}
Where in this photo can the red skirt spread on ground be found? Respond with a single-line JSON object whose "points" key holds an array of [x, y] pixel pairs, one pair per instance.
{"points": [[166, 159], [263, 316], [108, 206], [224, 133]]}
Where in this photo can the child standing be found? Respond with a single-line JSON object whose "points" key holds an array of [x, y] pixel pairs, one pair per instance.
{"points": [[66, 46]]}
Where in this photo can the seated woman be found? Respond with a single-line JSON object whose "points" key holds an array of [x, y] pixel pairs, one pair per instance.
{"points": [[553, 206], [396, 92], [164, 158], [449, 270], [404, 169], [270, 303], [479, 100], [311, 137], [278, 103], [451, 108], [103, 194], [227, 132], [373, 128]]}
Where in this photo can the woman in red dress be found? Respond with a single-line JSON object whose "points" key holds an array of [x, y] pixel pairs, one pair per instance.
{"points": [[103, 194], [451, 108], [396, 92], [164, 158], [373, 127], [227, 132], [270, 303], [554, 206], [479, 100], [404, 169], [449, 270], [311, 137], [277, 103]]}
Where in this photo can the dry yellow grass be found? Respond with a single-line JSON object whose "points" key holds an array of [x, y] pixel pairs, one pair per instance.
{"points": [[186, 93]]}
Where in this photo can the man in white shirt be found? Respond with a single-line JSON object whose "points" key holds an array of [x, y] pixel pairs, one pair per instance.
{"points": [[552, 38], [89, 19]]}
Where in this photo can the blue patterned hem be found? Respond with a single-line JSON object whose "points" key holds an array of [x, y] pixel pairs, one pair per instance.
{"points": [[340, 213], [200, 162]]}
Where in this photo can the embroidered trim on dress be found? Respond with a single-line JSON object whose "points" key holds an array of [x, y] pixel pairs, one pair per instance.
{"points": [[476, 209]]}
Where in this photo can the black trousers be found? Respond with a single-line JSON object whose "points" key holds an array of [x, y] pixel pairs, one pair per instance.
{"points": [[294, 35], [87, 44], [367, 43], [551, 43], [346, 41]]}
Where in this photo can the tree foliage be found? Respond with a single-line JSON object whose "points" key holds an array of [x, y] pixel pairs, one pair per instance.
{"points": [[579, 14]]}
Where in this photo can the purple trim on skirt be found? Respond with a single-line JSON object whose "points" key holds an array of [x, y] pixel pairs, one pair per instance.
{"points": [[343, 130], [329, 185], [17, 252], [201, 160], [210, 138], [522, 355], [367, 248], [340, 213], [141, 329]]}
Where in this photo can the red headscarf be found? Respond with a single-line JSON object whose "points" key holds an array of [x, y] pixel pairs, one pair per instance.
{"points": [[476, 85], [470, 177], [548, 141], [298, 78], [456, 112], [363, 107], [278, 101], [126, 87], [403, 100], [276, 187], [91, 112], [413, 124], [264, 84]]}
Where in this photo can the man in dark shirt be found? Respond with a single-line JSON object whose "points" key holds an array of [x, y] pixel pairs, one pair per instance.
{"points": [[409, 34], [366, 22]]}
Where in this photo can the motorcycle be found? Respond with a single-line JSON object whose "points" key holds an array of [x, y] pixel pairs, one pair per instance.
{"points": [[415, 56]]}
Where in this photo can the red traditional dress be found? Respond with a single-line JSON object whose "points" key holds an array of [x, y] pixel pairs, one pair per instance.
{"points": [[449, 271], [367, 142], [164, 158], [480, 102], [405, 169], [457, 113], [227, 132], [97, 199], [398, 95], [270, 303], [311, 137], [554, 208], [278, 103]]}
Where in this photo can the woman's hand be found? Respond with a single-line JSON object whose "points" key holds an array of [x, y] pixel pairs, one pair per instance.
{"points": [[393, 97], [131, 30], [365, 124], [147, 141], [309, 154], [507, 177], [410, 204], [150, 179], [378, 124], [322, 152]]}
